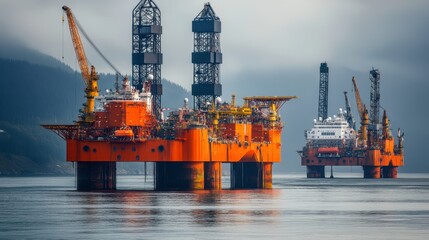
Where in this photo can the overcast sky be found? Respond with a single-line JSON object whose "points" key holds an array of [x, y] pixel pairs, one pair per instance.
{"points": [[266, 34], [273, 43]]}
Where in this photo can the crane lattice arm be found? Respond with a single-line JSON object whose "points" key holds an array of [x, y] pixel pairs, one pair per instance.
{"points": [[358, 99], [349, 116], [89, 76], [78, 46]]}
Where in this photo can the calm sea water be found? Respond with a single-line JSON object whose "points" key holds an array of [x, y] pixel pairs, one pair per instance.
{"points": [[298, 208]]}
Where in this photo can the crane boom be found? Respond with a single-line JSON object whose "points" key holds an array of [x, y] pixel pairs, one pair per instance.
{"points": [[77, 44], [358, 99], [89, 76], [349, 116]]}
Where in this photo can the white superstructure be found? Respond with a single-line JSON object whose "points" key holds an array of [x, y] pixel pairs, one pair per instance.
{"points": [[126, 93], [335, 130]]}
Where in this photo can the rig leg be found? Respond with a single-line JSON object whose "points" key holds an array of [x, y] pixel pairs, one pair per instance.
{"points": [[315, 171], [251, 175], [213, 175], [371, 172], [96, 175], [267, 175], [390, 172], [179, 176]]}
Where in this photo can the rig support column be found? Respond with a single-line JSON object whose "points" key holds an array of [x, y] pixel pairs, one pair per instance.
{"points": [[371, 172], [390, 172], [213, 175], [267, 180], [315, 171], [251, 175], [179, 176], [96, 175]]}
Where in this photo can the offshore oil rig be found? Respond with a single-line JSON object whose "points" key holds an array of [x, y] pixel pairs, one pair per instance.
{"points": [[334, 141], [190, 145]]}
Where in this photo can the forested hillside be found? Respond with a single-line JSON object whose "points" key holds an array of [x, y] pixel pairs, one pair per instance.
{"points": [[32, 94]]}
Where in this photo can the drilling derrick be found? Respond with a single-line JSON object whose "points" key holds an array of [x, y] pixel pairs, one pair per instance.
{"points": [[206, 57], [146, 51], [323, 91], [374, 114]]}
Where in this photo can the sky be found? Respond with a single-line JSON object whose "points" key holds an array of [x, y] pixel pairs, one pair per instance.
{"points": [[255, 34], [275, 44]]}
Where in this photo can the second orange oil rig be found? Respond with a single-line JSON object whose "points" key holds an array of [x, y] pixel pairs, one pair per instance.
{"points": [[334, 141], [190, 145]]}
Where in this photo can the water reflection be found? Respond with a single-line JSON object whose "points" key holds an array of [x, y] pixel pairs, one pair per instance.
{"points": [[50, 208], [142, 209], [88, 205], [209, 215], [234, 206]]}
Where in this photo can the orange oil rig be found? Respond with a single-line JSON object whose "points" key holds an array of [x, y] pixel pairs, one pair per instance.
{"points": [[189, 146], [335, 141]]}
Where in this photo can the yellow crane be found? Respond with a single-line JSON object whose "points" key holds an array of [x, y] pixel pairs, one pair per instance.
{"points": [[89, 76], [363, 114], [358, 99]]}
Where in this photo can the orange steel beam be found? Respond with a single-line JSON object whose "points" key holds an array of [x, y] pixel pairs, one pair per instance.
{"points": [[64, 131]]}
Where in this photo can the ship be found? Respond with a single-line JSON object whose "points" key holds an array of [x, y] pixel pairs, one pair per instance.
{"points": [[333, 141], [189, 145]]}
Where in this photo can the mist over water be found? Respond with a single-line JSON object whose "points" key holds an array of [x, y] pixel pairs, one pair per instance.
{"points": [[344, 208]]}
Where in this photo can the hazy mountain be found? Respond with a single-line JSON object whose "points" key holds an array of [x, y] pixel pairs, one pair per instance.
{"points": [[15, 50], [42, 90]]}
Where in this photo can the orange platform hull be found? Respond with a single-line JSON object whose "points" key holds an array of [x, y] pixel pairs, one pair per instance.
{"points": [[375, 163], [193, 146], [372, 158]]}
